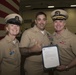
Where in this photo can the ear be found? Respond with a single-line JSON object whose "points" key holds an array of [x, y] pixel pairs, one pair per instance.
{"points": [[64, 22], [6, 28], [35, 21]]}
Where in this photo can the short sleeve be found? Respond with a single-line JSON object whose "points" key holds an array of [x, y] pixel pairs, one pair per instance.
{"points": [[73, 45], [25, 41]]}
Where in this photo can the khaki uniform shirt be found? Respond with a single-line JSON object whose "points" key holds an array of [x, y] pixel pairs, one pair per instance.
{"points": [[67, 46], [28, 38], [9, 57]]}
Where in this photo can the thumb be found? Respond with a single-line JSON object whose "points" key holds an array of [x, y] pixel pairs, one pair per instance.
{"points": [[35, 42]]}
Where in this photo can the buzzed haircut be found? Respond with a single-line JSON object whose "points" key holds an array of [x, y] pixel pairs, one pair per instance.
{"points": [[40, 13]]}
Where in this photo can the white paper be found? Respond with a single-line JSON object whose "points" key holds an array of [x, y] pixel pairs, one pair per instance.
{"points": [[50, 57]]}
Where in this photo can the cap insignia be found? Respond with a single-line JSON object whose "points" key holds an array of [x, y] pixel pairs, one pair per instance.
{"points": [[57, 13], [16, 18]]}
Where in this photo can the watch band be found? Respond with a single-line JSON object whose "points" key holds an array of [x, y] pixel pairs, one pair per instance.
{"points": [[67, 67]]}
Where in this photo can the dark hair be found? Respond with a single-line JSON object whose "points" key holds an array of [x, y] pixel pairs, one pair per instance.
{"points": [[40, 13], [32, 24]]}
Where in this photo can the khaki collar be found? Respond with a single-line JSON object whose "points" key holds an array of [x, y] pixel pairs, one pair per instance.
{"points": [[36, 29], [9, 39], [64, 33]]}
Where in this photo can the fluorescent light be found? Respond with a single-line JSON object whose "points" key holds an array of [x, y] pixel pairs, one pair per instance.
{"points": [[50, 6], [27, 6], [73, 5]]}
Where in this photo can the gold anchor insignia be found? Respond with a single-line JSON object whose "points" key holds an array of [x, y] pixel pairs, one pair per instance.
{"points": [[57, 13], [16, 18]]}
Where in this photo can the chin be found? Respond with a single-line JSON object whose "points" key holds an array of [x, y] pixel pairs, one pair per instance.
{"points": [[15, 34], [42, 28]]}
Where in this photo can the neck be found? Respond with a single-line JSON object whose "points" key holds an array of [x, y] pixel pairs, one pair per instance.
{"points": [[12, 37], [59, 32]]}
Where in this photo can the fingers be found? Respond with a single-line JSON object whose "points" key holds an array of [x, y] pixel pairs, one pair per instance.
{"points": [[34, 41], [37, 42]]}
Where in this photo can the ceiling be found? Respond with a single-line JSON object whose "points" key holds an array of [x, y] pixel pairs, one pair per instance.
{"points": [[43, 4]]}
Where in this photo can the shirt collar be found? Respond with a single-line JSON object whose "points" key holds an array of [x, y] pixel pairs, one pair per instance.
{"points": [[64, 33], [9, 39], [38, 30]]}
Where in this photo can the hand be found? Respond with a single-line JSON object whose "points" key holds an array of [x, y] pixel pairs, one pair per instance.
{"points": [[37, 47], [61, 67]]}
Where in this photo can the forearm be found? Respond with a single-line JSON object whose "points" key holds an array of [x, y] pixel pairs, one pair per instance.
{"points": [[36, 49], [68, 66], [29, 51], [25, 51], [72, 64]]}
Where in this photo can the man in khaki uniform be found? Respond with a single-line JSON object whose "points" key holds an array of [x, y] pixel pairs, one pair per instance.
{"points": [[9, 46], [33, 64], [66, 42]]}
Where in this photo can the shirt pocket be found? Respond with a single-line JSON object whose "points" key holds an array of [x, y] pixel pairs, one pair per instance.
{"points": [[10, 56]]}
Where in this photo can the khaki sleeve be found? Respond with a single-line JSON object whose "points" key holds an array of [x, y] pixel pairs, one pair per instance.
{"points": [[73, 45], [25, 41], [1, 55]]}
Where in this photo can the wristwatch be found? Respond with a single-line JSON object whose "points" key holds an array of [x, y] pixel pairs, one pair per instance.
{"points": [[67, 67]]}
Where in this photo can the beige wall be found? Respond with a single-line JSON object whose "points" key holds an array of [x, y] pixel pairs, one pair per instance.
{"points": [[71, 22]]}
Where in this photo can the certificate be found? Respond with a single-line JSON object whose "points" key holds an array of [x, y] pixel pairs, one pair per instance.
{"points": [[50, 56]]}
